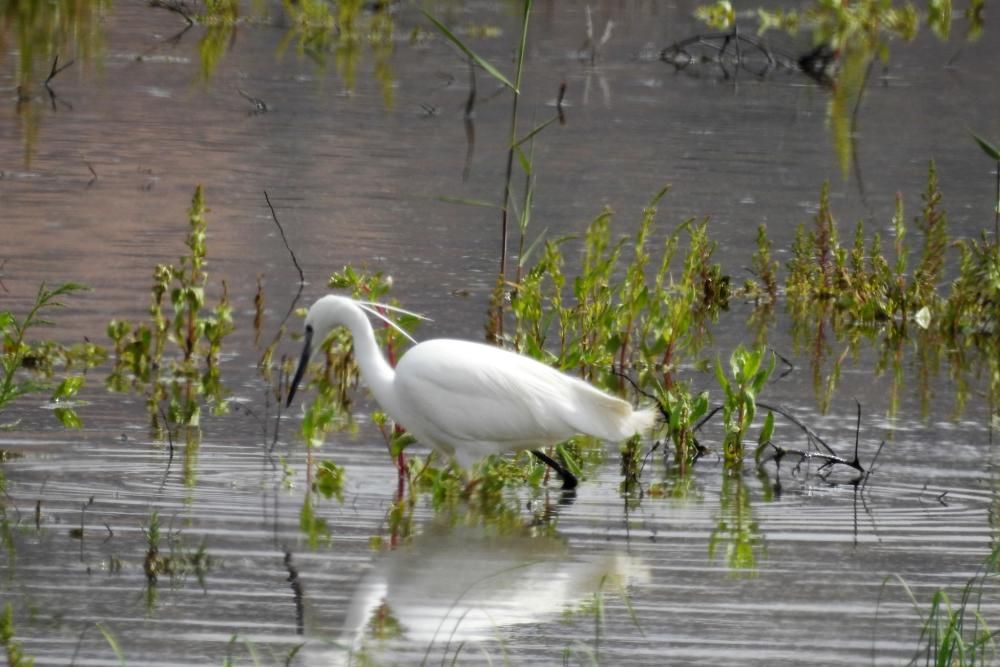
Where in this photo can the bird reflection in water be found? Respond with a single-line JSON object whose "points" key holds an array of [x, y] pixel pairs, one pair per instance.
{"points": [[455, 587]]}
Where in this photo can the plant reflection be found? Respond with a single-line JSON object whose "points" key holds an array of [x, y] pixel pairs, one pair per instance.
{"points": [[736, 530], [40, 31], [843, 300], [318, 30]]}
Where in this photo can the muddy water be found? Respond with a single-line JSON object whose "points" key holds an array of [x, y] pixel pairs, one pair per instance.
{"points": [[726, 574]]}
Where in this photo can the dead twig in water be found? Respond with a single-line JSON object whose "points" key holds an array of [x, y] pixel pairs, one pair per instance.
{"points": [[468, 120], [259, 105], [716, 45], [174, 6], [52, 74], [829, 458], [56, 69]]}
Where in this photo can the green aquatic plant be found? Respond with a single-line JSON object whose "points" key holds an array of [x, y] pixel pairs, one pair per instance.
{"points": [[858, 295], [19, 355], [685, 411], [173, 358], [180, 321], [955, 633], [747, 378], [614, 316], [15, 654], [765, 270], [169, 555]]}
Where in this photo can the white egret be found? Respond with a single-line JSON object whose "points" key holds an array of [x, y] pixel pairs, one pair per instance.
{"points": [[470, 400]]}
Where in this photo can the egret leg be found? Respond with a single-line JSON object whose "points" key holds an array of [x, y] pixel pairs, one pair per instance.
{"points": [[569, 480]]}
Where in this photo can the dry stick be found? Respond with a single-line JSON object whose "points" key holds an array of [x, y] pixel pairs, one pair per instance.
{"points": [[828, 459], [871, 466], [296, 585], [56, 69], [173, 6], [260, 106], [83, 513], [170, 441], [670, 53], [857, 432], [791, 366], [562, 121], [509, 173], [812, 434], [467, 121], [284, 239], [52, 74], [295, 261]]}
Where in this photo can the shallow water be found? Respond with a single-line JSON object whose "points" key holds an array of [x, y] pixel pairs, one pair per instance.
{"points": [[355, 182]]}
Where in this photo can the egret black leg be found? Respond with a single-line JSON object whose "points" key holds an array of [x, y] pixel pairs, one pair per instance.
{"points": [[569, 480]]}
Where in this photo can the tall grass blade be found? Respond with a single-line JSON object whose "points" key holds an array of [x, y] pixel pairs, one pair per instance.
{"points": [[987, 147], [113, 643], [493, 71], [530, 135]]}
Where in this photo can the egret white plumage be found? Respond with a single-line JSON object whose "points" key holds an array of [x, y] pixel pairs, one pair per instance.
{"points": [[470, 400]]}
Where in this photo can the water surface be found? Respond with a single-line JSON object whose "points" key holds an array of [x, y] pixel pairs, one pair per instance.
{"points": [[355, 181]]}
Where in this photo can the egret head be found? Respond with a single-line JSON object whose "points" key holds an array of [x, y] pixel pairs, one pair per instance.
{"points": [[323, 317], [332, 311]]}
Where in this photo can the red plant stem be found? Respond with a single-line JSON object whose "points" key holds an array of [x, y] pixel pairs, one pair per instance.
{"points": [[397, 429]]}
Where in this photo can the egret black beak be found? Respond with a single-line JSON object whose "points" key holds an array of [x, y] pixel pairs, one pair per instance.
{"points": [[303, 365]]}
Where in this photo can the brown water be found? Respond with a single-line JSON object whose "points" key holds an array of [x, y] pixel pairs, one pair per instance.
{"points": [[356, 182]]}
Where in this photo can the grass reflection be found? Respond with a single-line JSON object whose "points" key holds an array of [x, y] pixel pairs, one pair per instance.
{"points": [[41, 32], [320, 30], [736, 531], [842, 298]]}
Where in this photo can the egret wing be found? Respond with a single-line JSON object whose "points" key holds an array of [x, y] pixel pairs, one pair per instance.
{"points": [[456, 394]]}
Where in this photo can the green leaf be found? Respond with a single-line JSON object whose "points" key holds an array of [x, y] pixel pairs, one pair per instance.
{"points": [[6, 319], [765, 436], [523, 259], [68, 288], [399, 443], [467, 202], [68, 388], [69, 418], [113, 643], [749, 408], [720, 376], [316, 528], [524, 161], [493, 71], [987, 147], [330, 480], [530, 135], [700, 407]]}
